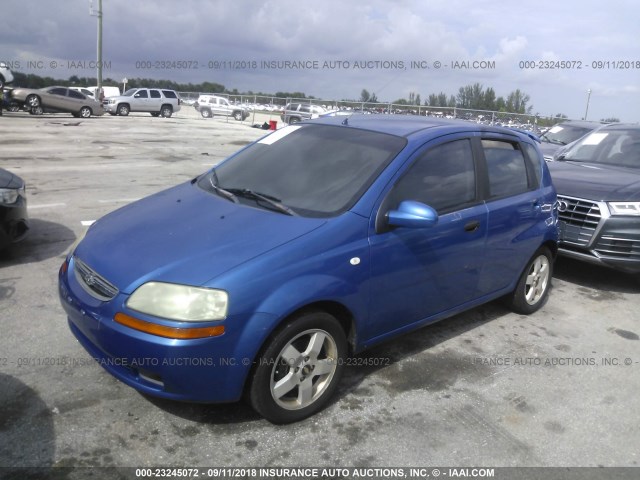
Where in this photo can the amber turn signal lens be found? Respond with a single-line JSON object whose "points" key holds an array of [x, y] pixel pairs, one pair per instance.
{"points": [[168, 332]]}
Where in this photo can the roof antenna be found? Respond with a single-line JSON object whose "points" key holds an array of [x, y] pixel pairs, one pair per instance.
{"points": [[346, 122]]}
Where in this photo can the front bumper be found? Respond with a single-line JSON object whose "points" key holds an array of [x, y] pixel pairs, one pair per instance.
{"points": [[601, 238], [207, 370], [14, 222]]}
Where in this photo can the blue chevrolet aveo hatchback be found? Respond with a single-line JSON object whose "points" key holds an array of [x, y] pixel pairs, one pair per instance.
{"points": [[261, 276]]}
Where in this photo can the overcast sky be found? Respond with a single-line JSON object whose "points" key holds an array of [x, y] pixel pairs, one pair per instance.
{"points": [[220, 35]]}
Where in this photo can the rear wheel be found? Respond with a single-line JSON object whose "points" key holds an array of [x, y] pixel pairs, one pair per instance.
{"points": [[206, 113], [238, 116], [534, 284], [85, 112], [166, 111], [299, 368], [293, 120], [38, 110], [123, 109]]}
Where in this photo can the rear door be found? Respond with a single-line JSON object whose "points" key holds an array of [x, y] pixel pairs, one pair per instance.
{"points": [[155, 100], [517, 210], [418, 273]]}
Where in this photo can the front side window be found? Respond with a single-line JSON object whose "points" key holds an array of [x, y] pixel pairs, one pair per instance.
{"points": [[141, 94], [58, 91], [443, 177], [315, 170], [506, 168]]}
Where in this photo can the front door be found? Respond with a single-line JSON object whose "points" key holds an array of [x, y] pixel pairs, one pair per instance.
{"points": [[420, 272]]}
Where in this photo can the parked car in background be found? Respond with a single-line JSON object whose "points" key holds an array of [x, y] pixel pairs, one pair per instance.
{"points": [[6, 76], [14, 220], [57, 99], [156, 101], [297, 112], [598, 183], [563, 134], [84, 91], [322, 239], [212, 105], [8, 103]]}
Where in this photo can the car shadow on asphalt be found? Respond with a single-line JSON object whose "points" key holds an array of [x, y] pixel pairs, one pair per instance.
{"points": [[385, 356], [43, 241], [595, 276]]}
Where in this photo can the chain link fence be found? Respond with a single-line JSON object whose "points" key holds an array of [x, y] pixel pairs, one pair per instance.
{"points": [[274, 106]]}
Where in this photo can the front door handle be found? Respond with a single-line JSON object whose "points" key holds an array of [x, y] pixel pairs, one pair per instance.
{"points": [[472, 226]]}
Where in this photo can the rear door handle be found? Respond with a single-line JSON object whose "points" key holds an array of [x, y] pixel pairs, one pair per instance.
{"points": [[472, 226]]}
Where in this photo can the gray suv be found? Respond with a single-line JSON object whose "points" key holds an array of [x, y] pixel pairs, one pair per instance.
{"points": [[210, 105], [156, 101], [297, 112]]}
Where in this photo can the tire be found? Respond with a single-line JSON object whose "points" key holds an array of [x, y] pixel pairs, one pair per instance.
{"points": [[284, 387], [155, 114], [37, 110], [14, 107], [534, 284], [32, 101], [123, 109], [238, 116], [206, 113], [293, 120], [85, 112], [166, 111]]}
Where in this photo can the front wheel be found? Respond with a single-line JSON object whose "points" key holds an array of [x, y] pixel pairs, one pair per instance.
{"points": [[85, 112], [299, 368], [123, 110], [206, 113], [534, 284], [33, 101], [238, 116], [37, 110], [166, 111]]}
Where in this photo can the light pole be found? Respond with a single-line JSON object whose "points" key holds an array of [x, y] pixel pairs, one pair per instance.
{"points": [[98, 14], [588, 98]]}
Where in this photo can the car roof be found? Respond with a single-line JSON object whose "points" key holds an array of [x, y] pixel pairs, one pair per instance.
{"points": [[621, 126], [408, 125], [581, 123]]}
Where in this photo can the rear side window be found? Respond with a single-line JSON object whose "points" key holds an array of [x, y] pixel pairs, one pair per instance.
{"points": [[443, 178], [155, 94], [74, 94], [506, 168], [58, 91], [169, 94]]}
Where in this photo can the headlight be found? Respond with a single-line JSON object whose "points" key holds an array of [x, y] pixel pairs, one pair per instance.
{"points": [[8, 196], [180, 302], [624, 208]]}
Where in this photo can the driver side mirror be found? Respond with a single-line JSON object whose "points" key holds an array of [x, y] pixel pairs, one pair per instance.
{"points": [[412, 214]]}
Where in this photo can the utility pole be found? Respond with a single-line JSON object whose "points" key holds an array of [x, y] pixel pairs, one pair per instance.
{"points": [[98, 14], [588, 98]]}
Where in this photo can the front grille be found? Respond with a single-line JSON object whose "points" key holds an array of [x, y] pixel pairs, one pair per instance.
{"points": [[619, 247], [93, 283], [580, 219]]}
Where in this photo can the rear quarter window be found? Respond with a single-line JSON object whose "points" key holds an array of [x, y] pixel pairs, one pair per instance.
{"points": [[169, 94]]}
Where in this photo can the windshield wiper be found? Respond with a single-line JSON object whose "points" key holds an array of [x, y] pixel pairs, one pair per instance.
{"points": [[271, 200], [213, 181]]}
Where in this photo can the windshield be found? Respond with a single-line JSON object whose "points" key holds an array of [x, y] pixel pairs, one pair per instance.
{"points": [[564, 134], [314, 170], [619, 147]]}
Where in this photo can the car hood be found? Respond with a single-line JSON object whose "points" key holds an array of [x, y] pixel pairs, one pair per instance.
{"points": [[595, 182], [9, 180], [548, 148], [183, 235]]}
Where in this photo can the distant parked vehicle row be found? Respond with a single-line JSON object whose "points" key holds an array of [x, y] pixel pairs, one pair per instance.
{"points": [[156, 101], [57, 99]]}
